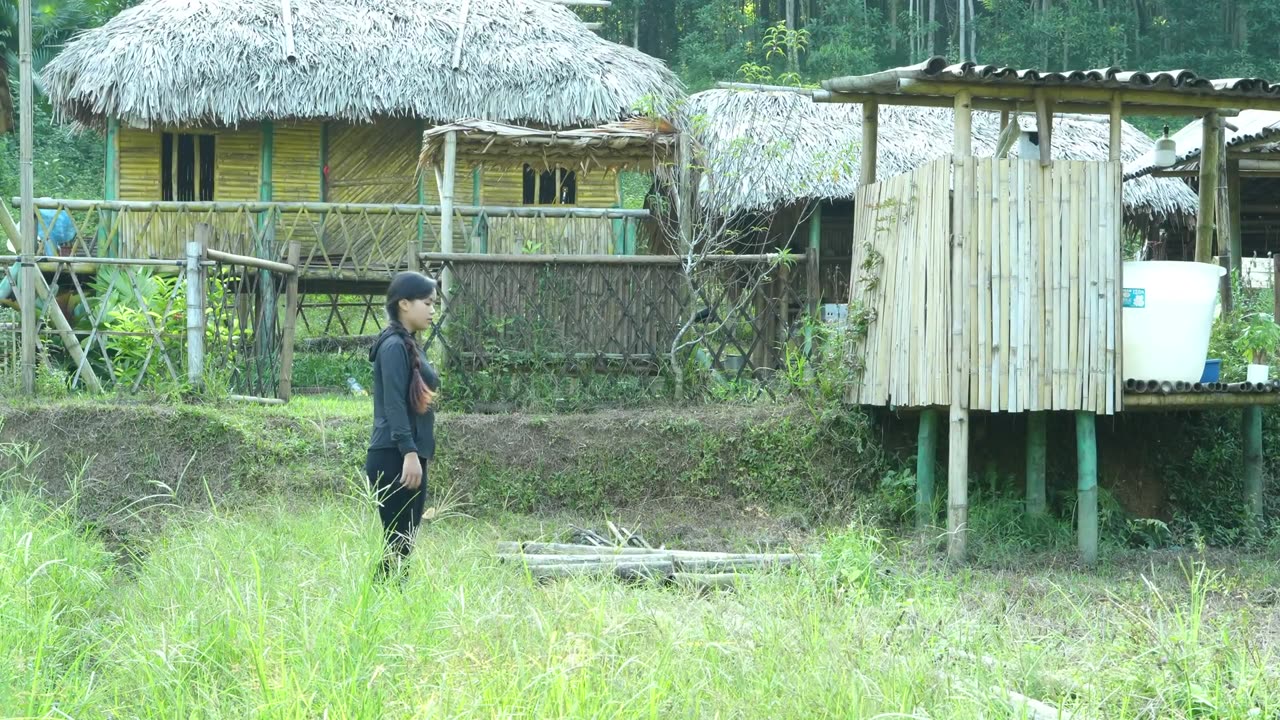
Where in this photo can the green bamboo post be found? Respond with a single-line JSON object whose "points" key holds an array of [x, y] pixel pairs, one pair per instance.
{"points": [[814, 260], [266, 249], [1087, 487], [422, 200], [1253, 481], [1037, 439], [926, 461], [110, 187], [480, 225], [813, 283]]}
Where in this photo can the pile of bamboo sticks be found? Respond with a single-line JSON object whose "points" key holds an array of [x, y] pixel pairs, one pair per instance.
{"points": [[696, 569], [1165, 387]]}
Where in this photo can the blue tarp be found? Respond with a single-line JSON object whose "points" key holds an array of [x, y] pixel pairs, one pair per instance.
{"points": [[55, 232]]}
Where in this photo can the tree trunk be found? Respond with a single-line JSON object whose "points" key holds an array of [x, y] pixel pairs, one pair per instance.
{"points": [[793, 52], [973, 34], [893, 26], [933, 15], [962, 34], [635, 28], [6, 99]]}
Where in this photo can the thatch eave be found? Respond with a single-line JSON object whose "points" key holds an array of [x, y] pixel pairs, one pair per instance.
{"points": [[771, 149], [223, 63]]}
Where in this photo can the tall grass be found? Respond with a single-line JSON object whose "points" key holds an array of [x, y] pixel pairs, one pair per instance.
{"points": [[273, 613]]}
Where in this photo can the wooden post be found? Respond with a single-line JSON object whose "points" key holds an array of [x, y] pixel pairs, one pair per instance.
{"points": [[1037, 451], [870, 138], [1087, 487], [1224, 284], [266, 250], [958, 433], [1253, 478], [1044, 126], [1233, 213], [926, 461], [197, 292], [27, 213], [1115, 123], [447, 181], [411, 257], [285, 391], [110, 190], [1275, 286], [813, 261], [1208, 187]]}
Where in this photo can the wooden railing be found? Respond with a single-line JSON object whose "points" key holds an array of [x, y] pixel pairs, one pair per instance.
{"points": [[341, 241]]}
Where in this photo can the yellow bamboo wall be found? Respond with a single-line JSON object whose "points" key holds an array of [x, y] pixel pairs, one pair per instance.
{"points": [[505, 187], [1014, 281], [163, 235], [368, 163]]}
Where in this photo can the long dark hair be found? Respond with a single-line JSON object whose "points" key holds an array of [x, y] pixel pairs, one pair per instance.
{"points": [[409, 286]]}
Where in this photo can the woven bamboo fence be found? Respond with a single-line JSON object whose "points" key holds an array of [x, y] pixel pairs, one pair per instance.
{"points": [[1031, 260], [597, 313]]}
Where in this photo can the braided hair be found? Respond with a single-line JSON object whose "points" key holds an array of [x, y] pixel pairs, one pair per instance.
{"points": [[409, 286]]}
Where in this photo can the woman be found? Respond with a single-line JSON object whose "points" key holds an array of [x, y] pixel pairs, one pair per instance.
{"points": [[403, 439]]}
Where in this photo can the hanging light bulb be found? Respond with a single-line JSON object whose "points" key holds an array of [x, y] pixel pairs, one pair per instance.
{"points": [[1166, 150]]}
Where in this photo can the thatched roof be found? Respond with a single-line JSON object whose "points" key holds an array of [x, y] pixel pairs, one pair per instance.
{"points": [[767, 149], [627, 144], [186, 62]]}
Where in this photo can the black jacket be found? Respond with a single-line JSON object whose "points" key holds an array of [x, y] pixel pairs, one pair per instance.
{"points": [[395, 425]]}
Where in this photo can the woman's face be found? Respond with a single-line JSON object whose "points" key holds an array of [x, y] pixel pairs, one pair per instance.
{"points": [[417, 315]]}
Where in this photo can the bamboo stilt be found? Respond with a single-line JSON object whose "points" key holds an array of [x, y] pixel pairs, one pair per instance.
{"points": [[1209, 155], [1087, 487], [1037, 447], [926, 460], [958, 452], [1253, 463], [26, 182]]}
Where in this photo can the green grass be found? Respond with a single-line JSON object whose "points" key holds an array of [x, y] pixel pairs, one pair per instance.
{"points": [[270, 612]]}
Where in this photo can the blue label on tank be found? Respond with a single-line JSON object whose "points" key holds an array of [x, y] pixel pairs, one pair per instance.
{"points": [[1135, 297]]}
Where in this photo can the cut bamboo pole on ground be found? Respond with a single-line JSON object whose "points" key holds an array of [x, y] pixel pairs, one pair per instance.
{"points": [[706, 581], [567, 560], [632, 570]]}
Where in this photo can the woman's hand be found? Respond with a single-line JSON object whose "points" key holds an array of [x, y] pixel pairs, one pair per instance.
{"points": [[411, 473]]}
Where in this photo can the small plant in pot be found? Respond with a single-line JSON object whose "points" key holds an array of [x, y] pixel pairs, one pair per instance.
{"points": [[1257, 342]]}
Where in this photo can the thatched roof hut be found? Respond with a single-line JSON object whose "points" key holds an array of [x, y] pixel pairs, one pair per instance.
{"points": [[772, 149], [227, 62]]}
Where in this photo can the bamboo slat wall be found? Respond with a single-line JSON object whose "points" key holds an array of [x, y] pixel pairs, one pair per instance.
{"points": [[367, 163], [1041, 271], [237, 165], [573, 236], [900, 274]]}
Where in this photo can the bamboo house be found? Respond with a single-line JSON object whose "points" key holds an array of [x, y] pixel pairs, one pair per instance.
{"points": [[997, 284], [785, 154], [310, 101]]}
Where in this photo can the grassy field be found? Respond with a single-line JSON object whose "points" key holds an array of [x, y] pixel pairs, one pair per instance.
{"points": [[270, 612]]}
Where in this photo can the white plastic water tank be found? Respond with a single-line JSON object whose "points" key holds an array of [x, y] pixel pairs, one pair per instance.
{"points": [[1167, 315]]}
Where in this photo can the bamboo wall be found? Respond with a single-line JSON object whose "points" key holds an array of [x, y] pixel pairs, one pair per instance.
{"points": [[590, 236], [1038, 261], [367, 163]]}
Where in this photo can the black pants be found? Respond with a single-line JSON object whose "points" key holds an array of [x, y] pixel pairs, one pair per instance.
{"points": [[399, 508]]}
